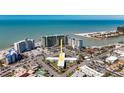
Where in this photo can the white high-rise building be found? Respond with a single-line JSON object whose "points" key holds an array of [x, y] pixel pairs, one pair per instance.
{"points": [[80, 43], [75, 42], [24, 45], [72, 42]]}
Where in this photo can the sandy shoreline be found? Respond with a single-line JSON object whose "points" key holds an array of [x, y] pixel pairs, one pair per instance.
{"points": [[88, 34], [83, 34]]}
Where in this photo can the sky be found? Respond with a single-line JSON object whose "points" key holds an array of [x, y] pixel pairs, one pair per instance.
{"points": [[62, 17]]}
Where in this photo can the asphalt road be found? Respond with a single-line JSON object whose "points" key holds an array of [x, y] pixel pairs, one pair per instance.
{"points": [[73, 68]]}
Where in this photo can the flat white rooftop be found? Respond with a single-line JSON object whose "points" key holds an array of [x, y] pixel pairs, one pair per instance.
{"points": [[85, 70]]}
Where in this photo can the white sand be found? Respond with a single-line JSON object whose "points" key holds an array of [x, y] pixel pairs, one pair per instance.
{"points": [[87, 34]]}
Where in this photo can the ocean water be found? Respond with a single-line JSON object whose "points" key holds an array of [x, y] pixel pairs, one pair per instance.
{"points": [[14, 30]]}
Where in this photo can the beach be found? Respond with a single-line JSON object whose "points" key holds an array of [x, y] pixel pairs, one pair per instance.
{"points": [[94, 35]]}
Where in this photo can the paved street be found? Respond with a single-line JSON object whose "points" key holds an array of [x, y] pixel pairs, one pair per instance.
{"points": [[73, 69]]}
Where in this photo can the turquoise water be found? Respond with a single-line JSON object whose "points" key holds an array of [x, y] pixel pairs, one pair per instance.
{"points": [[15, 30]]}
